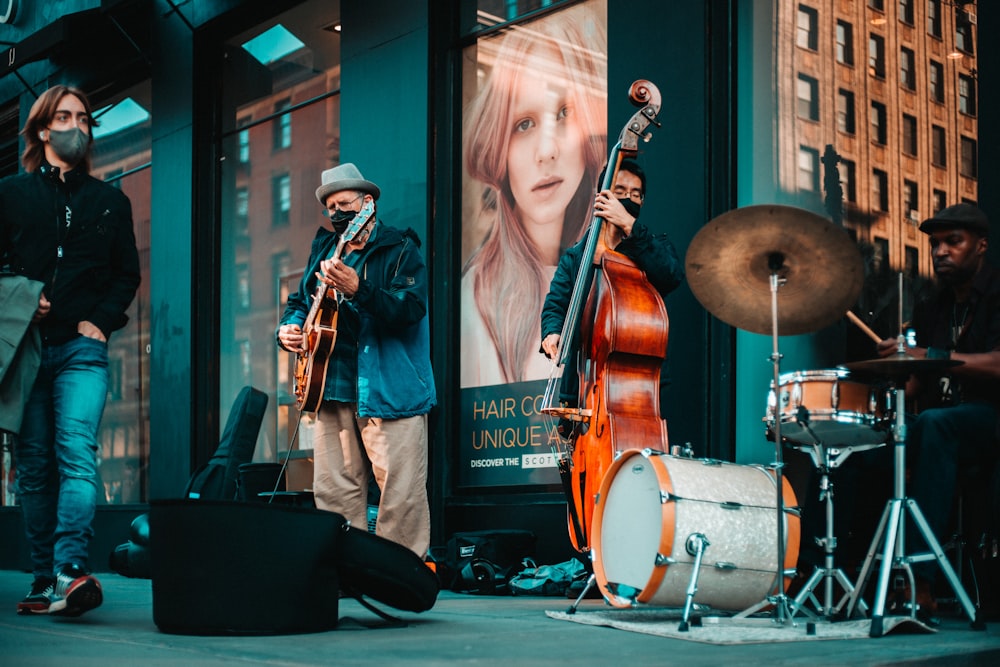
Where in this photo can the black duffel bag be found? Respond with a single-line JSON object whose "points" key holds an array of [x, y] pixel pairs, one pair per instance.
{"points": [[484, 561]]}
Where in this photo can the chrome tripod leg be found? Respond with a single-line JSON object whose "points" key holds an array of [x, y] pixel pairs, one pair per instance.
{"points": [[855, 598], [591, 580], [943, 563]]}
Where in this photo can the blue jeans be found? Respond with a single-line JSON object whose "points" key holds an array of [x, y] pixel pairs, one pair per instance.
{"points": [[944, 442], [56, 453]]}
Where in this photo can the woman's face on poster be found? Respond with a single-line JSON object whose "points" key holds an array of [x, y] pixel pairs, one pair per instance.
{"points": [[545, 156]]}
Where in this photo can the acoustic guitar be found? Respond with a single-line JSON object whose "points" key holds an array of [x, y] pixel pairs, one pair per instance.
{"points": [[319, 331]]}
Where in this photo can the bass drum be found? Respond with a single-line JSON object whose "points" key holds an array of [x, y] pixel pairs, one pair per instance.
{"points": [[651, 503]]}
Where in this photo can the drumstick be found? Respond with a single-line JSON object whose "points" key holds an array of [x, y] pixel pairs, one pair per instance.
{"points": [[864, 327]]}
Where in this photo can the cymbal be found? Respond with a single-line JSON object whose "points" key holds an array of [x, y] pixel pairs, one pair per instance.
{"points": [[731, 259], [901, 365]]}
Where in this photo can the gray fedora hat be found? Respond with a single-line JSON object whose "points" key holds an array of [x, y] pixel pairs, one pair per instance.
{"points": [[958, 216], [344, 177]]}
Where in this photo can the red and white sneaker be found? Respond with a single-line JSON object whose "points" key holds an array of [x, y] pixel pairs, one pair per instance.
{"points": [[75, 593]]}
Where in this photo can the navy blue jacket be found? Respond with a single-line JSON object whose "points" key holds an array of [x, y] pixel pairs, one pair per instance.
{"points": [[395, 379]]}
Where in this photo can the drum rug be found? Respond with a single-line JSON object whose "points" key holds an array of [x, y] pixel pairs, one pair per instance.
{"points": [[726, 630]]}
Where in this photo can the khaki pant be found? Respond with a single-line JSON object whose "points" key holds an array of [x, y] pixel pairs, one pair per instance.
{"points": [[348, 449]]}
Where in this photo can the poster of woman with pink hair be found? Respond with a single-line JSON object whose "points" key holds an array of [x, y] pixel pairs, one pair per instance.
{"points": [[534, 145]]}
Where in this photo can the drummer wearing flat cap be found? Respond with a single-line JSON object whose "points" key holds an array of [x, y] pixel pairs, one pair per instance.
{"points": [[956, 430]]}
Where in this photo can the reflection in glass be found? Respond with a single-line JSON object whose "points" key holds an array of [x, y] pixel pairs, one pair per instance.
{"points": [[281, 122], [122, 154]]}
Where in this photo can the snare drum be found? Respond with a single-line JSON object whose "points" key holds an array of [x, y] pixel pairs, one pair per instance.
{"points": [[824, 407], [651, 503]]}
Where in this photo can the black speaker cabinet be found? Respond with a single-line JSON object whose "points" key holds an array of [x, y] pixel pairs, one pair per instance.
{"points": [[222, 567]]}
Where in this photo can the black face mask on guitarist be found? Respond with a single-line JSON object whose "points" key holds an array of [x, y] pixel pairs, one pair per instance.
{"points": [[341, 219]]}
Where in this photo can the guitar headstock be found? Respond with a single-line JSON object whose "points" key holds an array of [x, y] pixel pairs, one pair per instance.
{"points": [[359, 222]]}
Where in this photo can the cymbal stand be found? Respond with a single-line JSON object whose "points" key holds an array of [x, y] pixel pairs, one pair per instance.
{"points": [[825, 459], [890, 534], [782, 612]]}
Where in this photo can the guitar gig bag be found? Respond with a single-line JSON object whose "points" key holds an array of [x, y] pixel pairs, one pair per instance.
{"points": [[385, 571]]}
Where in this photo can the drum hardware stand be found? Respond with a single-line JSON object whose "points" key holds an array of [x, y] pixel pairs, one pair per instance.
{"points": [[891, 535], [782, 612], [591, 580], [695, 546], [830, 458]]}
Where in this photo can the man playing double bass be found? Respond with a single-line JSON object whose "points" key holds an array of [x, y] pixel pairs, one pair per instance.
{"points": [[653, 254], [593, 441]]}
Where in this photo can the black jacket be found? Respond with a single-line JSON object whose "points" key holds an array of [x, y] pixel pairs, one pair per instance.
{"points": [[933, 319], [76, 237]]}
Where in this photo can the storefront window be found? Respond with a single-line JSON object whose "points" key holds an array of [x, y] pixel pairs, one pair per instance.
{"points": [[281, 88], [122, 157], [535, 86]]}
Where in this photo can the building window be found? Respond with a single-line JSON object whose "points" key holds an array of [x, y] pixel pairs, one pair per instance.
{"points": [[849, 181], [241, 212], [909, 134], [878, 5], [878, 123], [282, 127], [970, 165], [808, 175], [880, 189], [940, 198], [967, 95], [907, 70], [934, 18], [939, 147], [876, 56], [845, 111], [936, 80], [806, 37], [911, 268], [246, 361], [243, 286], [910, 199], [963, 31], [880, 254], [906, 11], [281, 266], [244, 139], [281, 198], [845, 43], [808, 106]]}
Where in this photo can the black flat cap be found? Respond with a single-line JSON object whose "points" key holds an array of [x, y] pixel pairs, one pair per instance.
{"points": [[959, 216]]}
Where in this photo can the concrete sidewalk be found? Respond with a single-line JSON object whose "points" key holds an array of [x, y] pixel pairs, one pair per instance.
{"points": [[459, 630]]}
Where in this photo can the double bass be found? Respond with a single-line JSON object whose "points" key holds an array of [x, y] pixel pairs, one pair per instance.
{"points": [[621, 324]]}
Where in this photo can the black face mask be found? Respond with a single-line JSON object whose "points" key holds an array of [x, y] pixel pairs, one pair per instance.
{"points": [[632, 207], [341, 219]]}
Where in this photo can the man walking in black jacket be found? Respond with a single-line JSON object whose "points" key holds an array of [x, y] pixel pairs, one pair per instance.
{"points": [[72, 232]]}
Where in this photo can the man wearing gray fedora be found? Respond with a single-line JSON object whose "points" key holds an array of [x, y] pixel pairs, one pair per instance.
{"points": [[372, 419]]}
